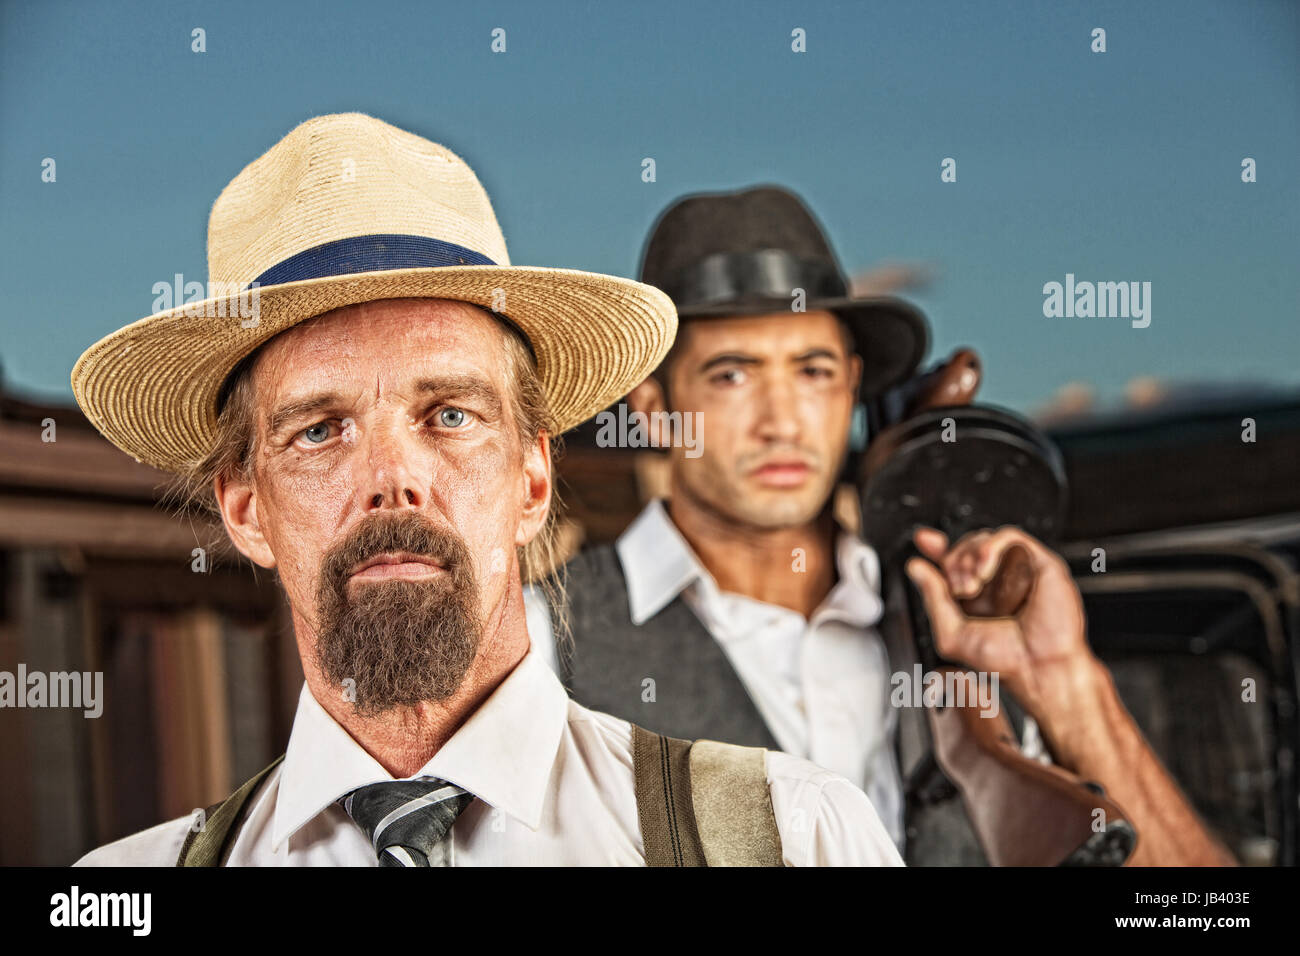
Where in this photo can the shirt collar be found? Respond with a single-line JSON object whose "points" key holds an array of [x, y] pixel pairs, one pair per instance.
{"points": [[855, 599], [659, 565], [657, 562], [503, 754]]}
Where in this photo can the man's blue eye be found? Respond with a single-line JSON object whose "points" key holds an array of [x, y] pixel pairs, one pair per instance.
{"points": [[317, 433], [451, 417]]}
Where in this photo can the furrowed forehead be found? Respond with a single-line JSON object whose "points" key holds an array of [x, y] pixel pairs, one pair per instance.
{"points": [[400, 342], [445, 323], [419, 347], [378, 328], [775, 336]]}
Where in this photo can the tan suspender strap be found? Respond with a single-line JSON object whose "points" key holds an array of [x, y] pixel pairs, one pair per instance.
{"points": [[661, 767], [211, 845], [733, 805], [705, 804]]}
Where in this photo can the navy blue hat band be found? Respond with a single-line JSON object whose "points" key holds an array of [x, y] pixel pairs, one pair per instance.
{"points": [[370, 254]]}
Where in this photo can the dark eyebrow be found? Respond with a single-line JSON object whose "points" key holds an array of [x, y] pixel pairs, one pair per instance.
{"points": [[819, 352], [447, 388], [730, 358], [739, 358]]}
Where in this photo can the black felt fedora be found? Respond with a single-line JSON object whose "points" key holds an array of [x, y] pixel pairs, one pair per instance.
{"points": [[746, 252]]}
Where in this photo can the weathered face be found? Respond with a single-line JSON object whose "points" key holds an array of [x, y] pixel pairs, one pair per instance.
{"points": [[776, 396], [391, 489]]}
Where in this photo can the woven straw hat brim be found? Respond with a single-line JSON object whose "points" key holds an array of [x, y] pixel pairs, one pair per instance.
{"points": [[151, 388]]}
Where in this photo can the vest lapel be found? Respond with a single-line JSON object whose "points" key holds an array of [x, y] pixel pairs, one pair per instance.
{"points": [[668, 675]]}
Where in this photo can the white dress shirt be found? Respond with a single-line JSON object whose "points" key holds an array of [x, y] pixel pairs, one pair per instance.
{"points": [[554, 786], [821, 684]]}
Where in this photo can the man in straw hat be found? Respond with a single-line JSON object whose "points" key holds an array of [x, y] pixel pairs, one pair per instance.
{"points": [[379, 432], [754, 612]]}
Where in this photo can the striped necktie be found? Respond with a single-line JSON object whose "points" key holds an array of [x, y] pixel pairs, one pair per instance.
{"points": [[408, 821]]}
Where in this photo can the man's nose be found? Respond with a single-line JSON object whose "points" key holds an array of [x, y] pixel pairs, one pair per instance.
{"points": [[778, 412], [391, 469]]}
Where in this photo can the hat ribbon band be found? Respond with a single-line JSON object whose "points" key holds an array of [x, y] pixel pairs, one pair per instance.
{"points": [[764, 273], [376, 253]]}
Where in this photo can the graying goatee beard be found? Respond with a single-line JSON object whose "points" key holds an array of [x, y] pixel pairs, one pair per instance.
{"points": [[400, 642]]}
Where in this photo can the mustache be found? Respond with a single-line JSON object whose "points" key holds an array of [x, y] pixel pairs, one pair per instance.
{"points": [[409, 532], [398, 642]]}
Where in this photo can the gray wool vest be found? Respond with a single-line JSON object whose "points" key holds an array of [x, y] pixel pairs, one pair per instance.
{"points": [[670, 676]]}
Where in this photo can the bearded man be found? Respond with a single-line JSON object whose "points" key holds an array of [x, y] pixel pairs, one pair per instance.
{"points": [[380, 435]]}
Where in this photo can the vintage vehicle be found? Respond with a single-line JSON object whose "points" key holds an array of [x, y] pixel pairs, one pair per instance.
{"points": [[1197, 611]]}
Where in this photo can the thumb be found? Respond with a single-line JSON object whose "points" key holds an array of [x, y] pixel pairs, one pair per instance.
{"points": [[945, 616]]}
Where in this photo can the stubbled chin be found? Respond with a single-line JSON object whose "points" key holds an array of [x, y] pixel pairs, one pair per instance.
{"points": [[780, 510]]}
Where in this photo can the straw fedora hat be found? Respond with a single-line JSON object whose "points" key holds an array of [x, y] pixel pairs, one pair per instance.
{"points": [[348, 209]]}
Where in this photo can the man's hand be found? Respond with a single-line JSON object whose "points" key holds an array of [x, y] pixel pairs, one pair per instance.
{"points": [[999, 601], [953, 383]]}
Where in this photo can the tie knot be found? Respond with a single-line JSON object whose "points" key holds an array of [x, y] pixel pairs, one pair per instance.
{"points": [[407, 821]]}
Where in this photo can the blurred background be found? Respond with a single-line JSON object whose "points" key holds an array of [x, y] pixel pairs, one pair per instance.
{"points": [[1117, 166]]}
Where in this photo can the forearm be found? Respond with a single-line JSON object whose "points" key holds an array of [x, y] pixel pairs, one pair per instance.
{"points": [[1091, 733]]}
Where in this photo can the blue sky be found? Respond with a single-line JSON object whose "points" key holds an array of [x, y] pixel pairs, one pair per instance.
{"points": [[1116, 166]]}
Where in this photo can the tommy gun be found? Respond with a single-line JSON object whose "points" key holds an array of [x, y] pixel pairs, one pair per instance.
{"points": [[960, 468]]}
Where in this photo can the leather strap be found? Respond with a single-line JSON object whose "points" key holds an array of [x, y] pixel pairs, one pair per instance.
{"points": [[733, 805], [661, 767], [764, 273], [703, 803], [211, 845]]}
